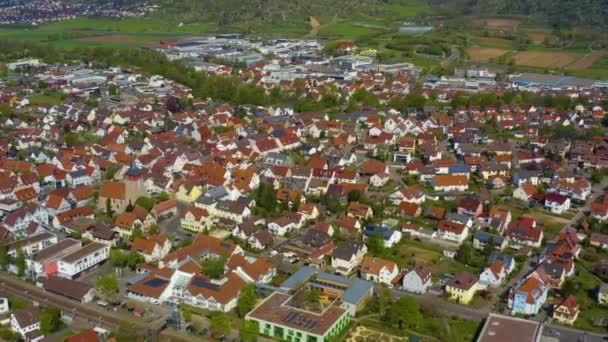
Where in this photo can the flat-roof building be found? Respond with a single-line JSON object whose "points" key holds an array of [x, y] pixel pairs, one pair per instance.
{"points": [[277, 318], [82, 259], [499, 328]]}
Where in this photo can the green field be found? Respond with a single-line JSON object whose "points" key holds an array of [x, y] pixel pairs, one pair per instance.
{"points": [[493, 42], [138, 25], [347, 30], [83, 32], [599, 69]]}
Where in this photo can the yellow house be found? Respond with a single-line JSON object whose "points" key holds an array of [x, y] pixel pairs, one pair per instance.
{"points": [[602, 295], [196, 219], [125, 223], [462, 287], [566, 311], [189, 193]]}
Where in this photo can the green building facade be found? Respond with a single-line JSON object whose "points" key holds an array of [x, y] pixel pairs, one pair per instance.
{"points": [[285, 333]]}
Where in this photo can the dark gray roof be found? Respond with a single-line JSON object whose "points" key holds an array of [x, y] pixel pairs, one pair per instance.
{"points": [[347, 249]]}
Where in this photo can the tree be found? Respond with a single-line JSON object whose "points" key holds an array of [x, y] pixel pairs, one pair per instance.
{"points": [[266, 197], [71, 139], [118, 258], [50, 320], [384, 301], [145, 202], [375, 243], [489, 247], [354, 195], [109, 210], [296, 204], [133, 259], [213, 267], [136, 233], [250, 331], [154, 229], [313, 296], [405, 313], [20, 263], [465, 254], [246, 301], [568, 288], [221, 323], [163, 196], [4, 258], [107, 285], [112, 89]]}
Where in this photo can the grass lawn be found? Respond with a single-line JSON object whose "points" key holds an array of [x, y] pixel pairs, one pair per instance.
{"points": [[346, 29], [397, 11], [493, 42], [412, 252], [17, 304], [586, 298], [433, 327], [598, 70], [552, 224], [46, 99], [127, 25]]}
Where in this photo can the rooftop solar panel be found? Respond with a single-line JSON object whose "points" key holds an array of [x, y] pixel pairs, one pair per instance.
{"points": [[155, 282], [200, 282]]}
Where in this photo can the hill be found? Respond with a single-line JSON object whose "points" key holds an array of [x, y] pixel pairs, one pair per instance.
{"points": [[258, 15], [563, 14]]}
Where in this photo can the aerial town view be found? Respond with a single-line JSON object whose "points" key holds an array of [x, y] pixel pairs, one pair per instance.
{"points": [[304, 171]]}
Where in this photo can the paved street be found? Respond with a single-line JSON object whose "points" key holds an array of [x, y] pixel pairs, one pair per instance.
{"points": [[563, 334], [597, 191], [171, 225]]}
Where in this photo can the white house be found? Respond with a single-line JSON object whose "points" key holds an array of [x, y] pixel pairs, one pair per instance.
{"points": [[348, 256], [27, 323], [153, 247], [493, 275], [417, 280], [452, 231], [556, 203], [450, 183], [379, 270], [391, 237]]}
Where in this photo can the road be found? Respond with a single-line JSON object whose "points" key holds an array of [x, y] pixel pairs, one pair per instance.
{"points": [[171, 225], [454, 57], [597, 191], [564, 334]]}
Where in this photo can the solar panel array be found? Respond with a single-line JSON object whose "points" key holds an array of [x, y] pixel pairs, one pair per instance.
{"points": [[200, 282], [155, 282], [296, 319]]}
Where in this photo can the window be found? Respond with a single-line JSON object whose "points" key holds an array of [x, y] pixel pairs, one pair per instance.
{"points": [[311, 339], [278, 331]]}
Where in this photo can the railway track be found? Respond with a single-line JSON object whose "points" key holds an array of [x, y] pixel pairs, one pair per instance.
{"points": [[70, 307]]}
